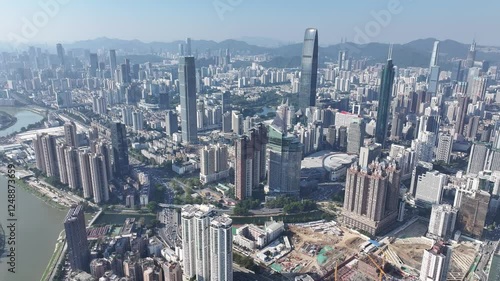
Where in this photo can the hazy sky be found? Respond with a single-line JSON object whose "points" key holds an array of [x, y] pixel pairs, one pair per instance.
{"points": [[285, 20]]}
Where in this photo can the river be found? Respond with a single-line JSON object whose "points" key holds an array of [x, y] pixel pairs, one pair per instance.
{"points": [[38, 224]]}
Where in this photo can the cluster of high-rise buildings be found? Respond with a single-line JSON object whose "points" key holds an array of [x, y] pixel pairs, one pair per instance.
{"points": [[88, 169]]}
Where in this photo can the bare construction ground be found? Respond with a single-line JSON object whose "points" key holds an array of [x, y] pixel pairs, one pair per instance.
{"points": [[318, 252]]}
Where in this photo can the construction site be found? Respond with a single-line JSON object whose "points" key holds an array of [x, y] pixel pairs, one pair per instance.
{"points": [[328, 251]]}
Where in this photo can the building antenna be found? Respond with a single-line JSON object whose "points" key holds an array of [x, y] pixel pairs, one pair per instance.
{"points": [[390, 52]]}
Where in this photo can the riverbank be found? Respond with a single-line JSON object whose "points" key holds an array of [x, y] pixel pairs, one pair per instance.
{"points": [[6, 120]]}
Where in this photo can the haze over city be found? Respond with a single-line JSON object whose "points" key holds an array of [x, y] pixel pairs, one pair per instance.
{"points": [[233, 140]]}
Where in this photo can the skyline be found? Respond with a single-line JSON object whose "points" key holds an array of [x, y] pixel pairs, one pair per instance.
{"points": [[392, 21]]}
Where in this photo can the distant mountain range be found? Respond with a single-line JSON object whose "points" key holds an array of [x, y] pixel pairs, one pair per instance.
{"points": [[415, 53]]}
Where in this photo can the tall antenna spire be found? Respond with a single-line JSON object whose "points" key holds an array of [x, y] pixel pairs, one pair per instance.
{"points": [[389, 57]]}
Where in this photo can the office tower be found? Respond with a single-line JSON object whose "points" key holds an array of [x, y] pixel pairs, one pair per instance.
{"points": [[126, 113], [342, 138], [478, 157], [181, 50], [420, 169], [471, 55], [285, 155], [187, 90], [237, 122], [188, 52], [384, 101], [456, 71], [250, 161], [60, 54], [112, 61], [309, 70], [331, 137], [368, 154], [433, 80], [94, 64], [445, 145], [221, 248], [73, 167], [226, 101], [204, 234], [124, 75], [472, 211], [213, 163], [137, 121], [463, 103], [61, 163], [442, 222], [371, 196], [171, 125], [430, 188], [120, 149], [76, 239], [472, 127], [70, 134], [99, 178], [356, 136], [435, 54], [435, 262]]}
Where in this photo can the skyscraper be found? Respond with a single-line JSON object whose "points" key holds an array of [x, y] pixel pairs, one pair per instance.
{"points": [[171, 125], [86, 177], [442, 222], [371, 196], [463, 103], [94, 64], [206, 244], [435, 54], [120, 149], [73, 168], [309, 70], [250, 166], [60, 54], [471, 55], [188, 47], [479, 154], [435, 262], [99, 178], [472, 212], [187, 90], [384, 100], [430, 187], [137, 121], [355, 136], [285, 155], [76, 237], [213, 163], [112, 61], [70, 134], [445, 145]]}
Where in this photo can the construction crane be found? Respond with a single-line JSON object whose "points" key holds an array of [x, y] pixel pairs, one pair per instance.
{"points": [[382, 272]]}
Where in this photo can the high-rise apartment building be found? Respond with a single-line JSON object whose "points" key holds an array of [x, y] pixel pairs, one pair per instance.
{"points": [[213, 163], [70, 135], [435, 262], [442, 222], [206, 244], [371, 196], [187, 90], [478, 158], [76, 238], [250, 161], [445, 145]]}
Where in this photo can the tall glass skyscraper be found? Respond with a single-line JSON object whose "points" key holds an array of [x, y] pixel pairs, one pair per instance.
{"points": [[384, 101], [76, 235], [120, 149], [309, 70], [187, 90]]}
